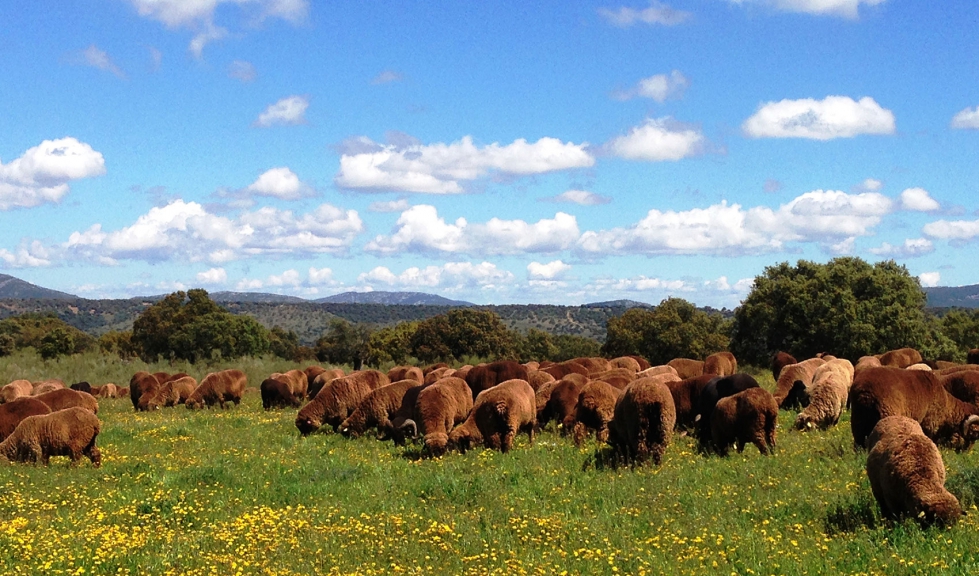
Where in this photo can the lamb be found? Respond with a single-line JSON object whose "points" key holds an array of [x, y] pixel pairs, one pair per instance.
{"points": [[71, 432], [67, 398], [170, 394], [881, 392], [399, 373], [907, 474], [793, 382], [218, 388], [14, 390], [377, 409], [686, 398], [710, 394], [322, 380], [497, 416], [438, 409], [11, 413], [750, 416], [901, 358], [626, 362], [781, 360], [334, 403], [642, 425], [595, 409], [721, 364], [828, 395], [687, 367], [486, 376], [278, 394], [297, 381]]}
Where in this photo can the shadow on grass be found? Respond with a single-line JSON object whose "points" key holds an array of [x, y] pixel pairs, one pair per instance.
{"points": [[605, 458], [851, 514], [965, 487]]}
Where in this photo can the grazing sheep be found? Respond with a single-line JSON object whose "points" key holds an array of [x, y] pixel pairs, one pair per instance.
{"points": [[881, 392], [377, 409], [828, 395], [71, 432], [45, 386], [594, 365], [438, 409], [907, 474], [867, 362], [488, 375], [721, 363], [172, 393], [66, 398], [405, 412], [901, 358], [595, 409], [686, 398], [781, 360], [963, 385], [296, 379], [82, 387], [559, 401], [793, 382], [497, 416], [627, 362], [11, 413], [958, 368], [322, 380], [618, 377], [710, 394], [748, 417], [139, 384], [14, 390], [311, 373], [399, 373], [334, 403], [561, 370], [278, 394], [536, 379], [656, 371], [108, 390], [437, 374], [218, 388], [687, 367], [642, 425]]}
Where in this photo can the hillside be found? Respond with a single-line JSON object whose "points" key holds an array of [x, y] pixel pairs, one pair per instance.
{"points": [[391, 298], [953, 296], [11, 287]]}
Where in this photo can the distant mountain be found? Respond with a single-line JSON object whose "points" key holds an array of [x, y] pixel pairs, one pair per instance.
{"points": [[11, 287], [618, 304], [404, 298], [949, 296], [255, 297]]}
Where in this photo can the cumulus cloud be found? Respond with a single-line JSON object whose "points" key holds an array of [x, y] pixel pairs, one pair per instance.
{"points": [[421, 229], [43, 172], [636, 284], [320, 276], [952, 230], [869, 185], [549, 271], [392, 206], [967, 119], [827, 217], [658, 140], [449, 277], [287, 111], [242, 70], [930, 279], [279, 183], [186, 231], [656, 13], [439, 168], [287, 278], [580, 197], [918, 200], [97, 58], [911, 248], [826, 119], [213, 276], [659, 87], [199, 15], [387, 77], [31, 254], [840, 8]]}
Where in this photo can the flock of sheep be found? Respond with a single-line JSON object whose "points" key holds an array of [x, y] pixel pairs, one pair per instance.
{"points": [[900, 407]]}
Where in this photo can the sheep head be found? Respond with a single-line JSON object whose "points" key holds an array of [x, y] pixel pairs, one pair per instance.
{"points": [[970, 431], [436, 443], [307, 425]]}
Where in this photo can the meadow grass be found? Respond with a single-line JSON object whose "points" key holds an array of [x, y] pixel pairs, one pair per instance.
{"points": [[239, 492]]}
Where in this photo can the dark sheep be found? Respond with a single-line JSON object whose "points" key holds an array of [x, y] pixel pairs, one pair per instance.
{"points": [[748, 417], [643, 422], [486, 376], [497, 416], [686, 397], [71, 432], [794, 380], [973, 356], [278, 394], [713, 391], [378, 408], [559, 401], [218, 388], [781, 360], [335, 402], [82, 387], [11, 413]]}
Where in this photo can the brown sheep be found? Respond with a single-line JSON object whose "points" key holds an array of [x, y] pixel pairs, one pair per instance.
{"points": [[66, 398], [901, 358], [656, 371], [438, 409], [322, 380], [748, 417], [11, 413], [335, 402], [405, 412], [139, 384], [867, 362], [108, 390], [627, 362], [172, 393], [497, 416], [618, 377], [561, 370], [595, 409], [218, 388], [536, 379], [963, 385], [721, 364], [486, 376], [532, 366], [399, 373], [297, 381], [781, 360], [71, 432], [940, 364], [311, 373], [435, 366], [973, 356], [907, 474], [594, 365], [643, 363], [437, 374], [45, 386], [828, 395], [793, 382], [881, 392], [278, 394], [462, 371], [686, 398], [377, 409], [687, 367], [559, 401], [16, 389], [919, 366], [643, 422], [957, 369]]}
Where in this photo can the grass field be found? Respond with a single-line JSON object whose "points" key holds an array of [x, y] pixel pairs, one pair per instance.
{"points": [[239, 492]]}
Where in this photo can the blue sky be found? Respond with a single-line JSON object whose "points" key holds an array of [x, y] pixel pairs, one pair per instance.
{"points": [[496, 152]]}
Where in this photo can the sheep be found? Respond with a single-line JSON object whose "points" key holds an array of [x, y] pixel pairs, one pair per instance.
{"points": [[536, 379], [170, 394], [618, 377], [642, 425], [780, 360], [67, 398], [710, 394], [405, 412], [958, 368], [321, 381], [334, 403], [750, 416], [919, 366], [278, 394], [377, 409], [558, 401], [907, 474], [497, 416], [296, 379], [82, 387], [108, 390], [70, 432], [11, 413], [686, 394], [218, 388], [881, 392], [595, 409], [432, 367], [626, 362], [793, 382], [973, 356], [531, 366], [901, 358], [687, 367], [656, 371], [14, 390], [827, 396], [438, 409], [593, 364], [45, 386], [865, 362], [311, 373], [437, 374], [463, 371], [399, 373], [963, 385], [564, 368], [139, 384], [486, 376], [721, 363]]}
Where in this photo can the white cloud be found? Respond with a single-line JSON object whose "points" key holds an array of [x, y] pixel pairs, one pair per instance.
{"points": [[840, 8], [449, 277], [421, 229], [28, 255], [43, 172], [242, 70], [636, 284], [930, 279], [659, 87], [828, 217], [287, 278], [658, 140], [387, 77], [657, 13], [869, 185], [954, 230], [290, 110], [97, 58], [580, 197], [439, 168], [213, 276], [320, 276], [918, 200], [249, 284], [280, 183], [549, 271], [911, 248], [966, 119], [392, 206], [826, 119]]}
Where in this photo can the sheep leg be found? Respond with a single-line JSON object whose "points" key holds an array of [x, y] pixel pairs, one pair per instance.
{"points": [[602, 434], [507, 440], [531, 431], [580, 432]]}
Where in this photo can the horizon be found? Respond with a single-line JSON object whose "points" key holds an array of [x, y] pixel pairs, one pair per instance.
{"points": [[566, 154]]}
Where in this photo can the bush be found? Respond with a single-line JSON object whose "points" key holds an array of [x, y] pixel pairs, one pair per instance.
{"points": [[674, 329], [463, 332], [345, 343]]}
